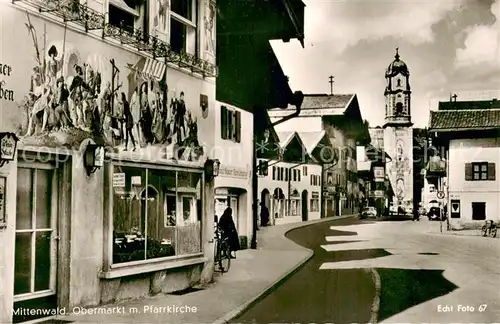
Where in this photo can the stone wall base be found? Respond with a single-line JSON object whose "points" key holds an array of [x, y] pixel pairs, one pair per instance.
{"points": [[150, 284]]}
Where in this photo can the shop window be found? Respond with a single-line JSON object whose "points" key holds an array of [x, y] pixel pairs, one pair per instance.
{"points": [[230, 124], [478, 211], [183, 26], [155, 214], [314, 205], [123, 13]]}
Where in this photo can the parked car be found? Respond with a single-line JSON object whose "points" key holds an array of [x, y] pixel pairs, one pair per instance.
{"points": [[393, 209], [409, 210], [368, 212], [434, 214], [422, 211]]}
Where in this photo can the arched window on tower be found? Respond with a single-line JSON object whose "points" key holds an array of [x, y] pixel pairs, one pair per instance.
{"points": [[399, 82], [399, 108]]}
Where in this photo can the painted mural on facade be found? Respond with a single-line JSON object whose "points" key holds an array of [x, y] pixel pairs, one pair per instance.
{"points": [[210, 11], [75, 90]]}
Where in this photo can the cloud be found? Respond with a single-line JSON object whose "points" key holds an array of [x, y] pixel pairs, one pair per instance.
{"points": [[482, 44], [347, 23]]}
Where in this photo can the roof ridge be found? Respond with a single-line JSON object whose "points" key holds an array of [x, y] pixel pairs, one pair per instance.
{"points": [[476, 109]]}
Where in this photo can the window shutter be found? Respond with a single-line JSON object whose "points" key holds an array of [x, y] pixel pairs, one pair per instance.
{"points": [[468, 171], [238, 126], [491, 171], [223, 122], [230, 122]]}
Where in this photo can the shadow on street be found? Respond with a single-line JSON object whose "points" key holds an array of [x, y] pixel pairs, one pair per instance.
{"points": [[402, 289]]}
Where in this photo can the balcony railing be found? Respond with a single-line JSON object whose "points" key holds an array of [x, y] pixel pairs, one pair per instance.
{"points": [[81, 15]]}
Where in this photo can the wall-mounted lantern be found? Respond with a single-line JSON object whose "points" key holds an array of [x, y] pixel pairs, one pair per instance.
{"points": [[8, 144], [211, 169], [93, 158]]}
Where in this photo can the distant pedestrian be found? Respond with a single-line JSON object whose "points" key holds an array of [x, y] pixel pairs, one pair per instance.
{"points": [[264, 215], [229, 231], [416, 216]]}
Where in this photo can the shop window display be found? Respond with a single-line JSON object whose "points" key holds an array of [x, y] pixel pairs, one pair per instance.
{"points": [[155, 213]]}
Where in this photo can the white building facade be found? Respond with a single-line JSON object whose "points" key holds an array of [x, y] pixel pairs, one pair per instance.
{"points": [[470, 135], [291, 192], [233, 148], [339, 117]]}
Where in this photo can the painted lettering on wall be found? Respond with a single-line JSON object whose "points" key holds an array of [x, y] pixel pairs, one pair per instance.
{"points": [[5, 93]]}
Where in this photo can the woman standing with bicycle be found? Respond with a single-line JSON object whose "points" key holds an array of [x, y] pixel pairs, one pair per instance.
{"points": [[226, 223]]}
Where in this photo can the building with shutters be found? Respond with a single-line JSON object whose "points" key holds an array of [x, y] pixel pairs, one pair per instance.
{"points": [[339, 117], [469, 133], [137, 78], [292, 188], [234, 149]]}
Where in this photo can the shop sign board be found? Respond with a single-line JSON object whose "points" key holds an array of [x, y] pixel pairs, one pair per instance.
{"points": [[455, 208], [118, 180]]}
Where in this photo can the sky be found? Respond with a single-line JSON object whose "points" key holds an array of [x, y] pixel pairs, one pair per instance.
{"points": [[450, 46]]}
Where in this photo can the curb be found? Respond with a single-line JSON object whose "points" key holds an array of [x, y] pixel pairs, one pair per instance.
{"points": [[376, 300], [240, 309]]}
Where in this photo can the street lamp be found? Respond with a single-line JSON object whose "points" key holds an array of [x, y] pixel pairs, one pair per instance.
{"points": [[212, 167], [93, 158], [8, 144]]}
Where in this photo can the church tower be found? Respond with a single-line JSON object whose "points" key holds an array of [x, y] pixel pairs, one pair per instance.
{"points": [[398, 132]]}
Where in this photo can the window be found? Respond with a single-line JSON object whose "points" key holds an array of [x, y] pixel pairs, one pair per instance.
{"points": [[298, 175], [156, 214], [230, 124], [282, 175], [36, 220], [294, 175], [478, 211], [274, 173], [399, 108], [183, 26], [123, 13], [286, 175], [314, 202], [399, 82], [480, 171], [304, 170]]}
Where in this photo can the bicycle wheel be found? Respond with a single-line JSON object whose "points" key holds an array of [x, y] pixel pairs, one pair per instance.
{"points": [[493, 231], [224, 257], [216, 256], [484, 230]]}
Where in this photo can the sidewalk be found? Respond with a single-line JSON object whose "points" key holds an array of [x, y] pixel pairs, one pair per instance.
{"points": [[252, 274]]}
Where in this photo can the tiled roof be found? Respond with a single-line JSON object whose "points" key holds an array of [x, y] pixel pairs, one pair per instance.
{"points": [[318, 105], [311, 139], [464, 119]]}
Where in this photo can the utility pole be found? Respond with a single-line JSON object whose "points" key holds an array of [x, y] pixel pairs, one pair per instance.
{"points": [[331, 77]]}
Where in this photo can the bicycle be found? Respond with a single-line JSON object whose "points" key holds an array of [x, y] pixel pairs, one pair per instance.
{"points": [[489, 229], [222, 256]]}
